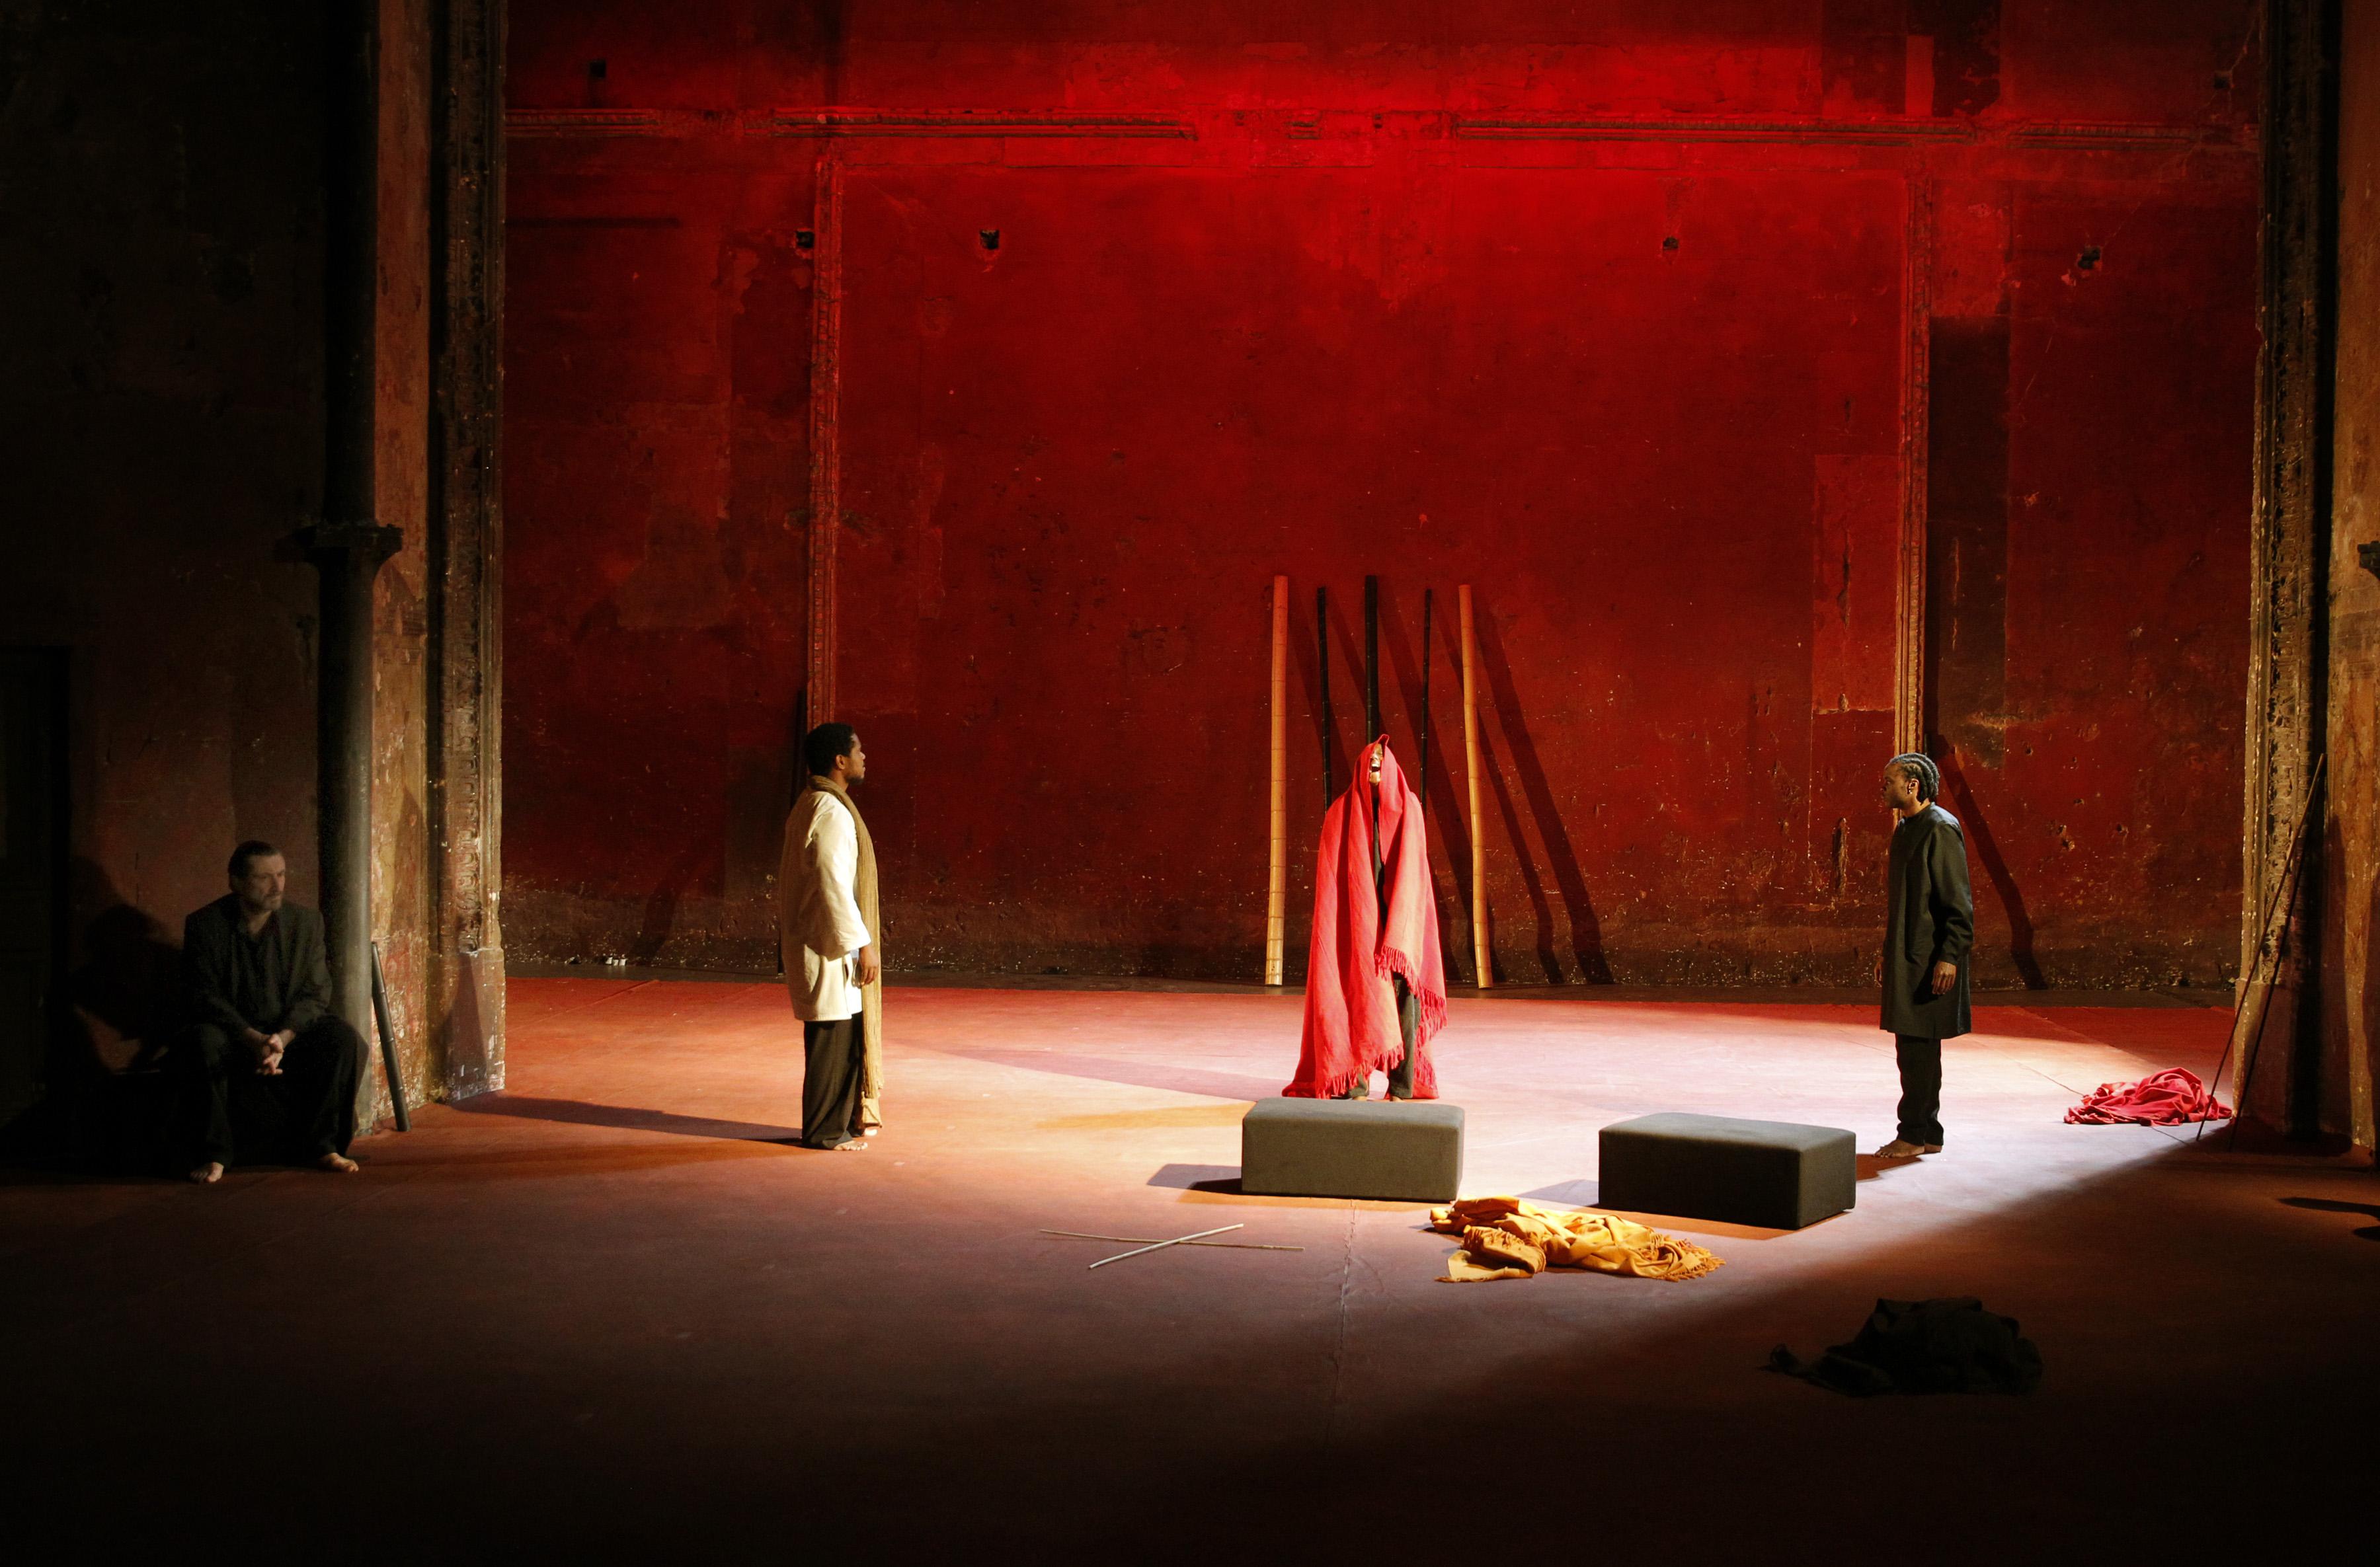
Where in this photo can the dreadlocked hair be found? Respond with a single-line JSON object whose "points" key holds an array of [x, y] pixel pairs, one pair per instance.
{"points": [[1918, 766]]}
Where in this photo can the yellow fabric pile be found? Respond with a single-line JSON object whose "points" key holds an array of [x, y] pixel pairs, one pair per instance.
{"points": [[1505, 1237]]}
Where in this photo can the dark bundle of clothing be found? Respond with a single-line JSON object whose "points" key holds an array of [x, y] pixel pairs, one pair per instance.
{"points": [[1923, 1346]]}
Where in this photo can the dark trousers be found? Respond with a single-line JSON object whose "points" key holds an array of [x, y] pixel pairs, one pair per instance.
{"points": [[1400, 1076], [1921, 1089], [295, 1117], [832, 1073]]}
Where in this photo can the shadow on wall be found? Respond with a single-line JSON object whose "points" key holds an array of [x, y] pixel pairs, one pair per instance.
{"points": [[1980, 841], [1586, 961], [661, 905], [123, 990], [105, 1100], [1347, 702], [1434, 771], [1303, 649], [1583, 961]]}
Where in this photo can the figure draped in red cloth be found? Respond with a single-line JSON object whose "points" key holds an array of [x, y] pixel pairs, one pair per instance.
{"points": [[1375, 984]]}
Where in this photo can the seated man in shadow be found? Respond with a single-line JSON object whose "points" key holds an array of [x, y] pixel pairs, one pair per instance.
{"points": [[270, 1071]]}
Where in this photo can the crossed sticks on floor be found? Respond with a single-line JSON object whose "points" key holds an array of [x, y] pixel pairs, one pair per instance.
{"points": [[1197, 1239]]}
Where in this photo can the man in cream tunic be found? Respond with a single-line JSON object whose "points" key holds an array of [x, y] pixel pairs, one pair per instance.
{"points": [[827, 932]]}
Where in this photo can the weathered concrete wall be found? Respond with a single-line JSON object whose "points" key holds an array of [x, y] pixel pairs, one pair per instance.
{"points": [[2351, 839], [2093, 374], [162, 271], [656, 402], [159, 392], [1674, 335]]}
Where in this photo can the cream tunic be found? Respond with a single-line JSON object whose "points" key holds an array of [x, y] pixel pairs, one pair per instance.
{"points": [[820, 930]]}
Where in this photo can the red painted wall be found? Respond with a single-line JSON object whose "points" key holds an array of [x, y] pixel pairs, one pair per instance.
{"points": [[1658, 330]]}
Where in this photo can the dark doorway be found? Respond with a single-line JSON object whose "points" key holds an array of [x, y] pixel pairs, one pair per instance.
{"points": [[32, 862]]}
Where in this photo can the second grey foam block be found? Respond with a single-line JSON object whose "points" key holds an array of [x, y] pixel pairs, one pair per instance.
{"points": [[1779, 1174]]}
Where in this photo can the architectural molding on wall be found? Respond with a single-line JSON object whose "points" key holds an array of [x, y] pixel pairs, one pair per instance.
{"points": [[1671, 128], [827, 123], [972, 122], [2052, 133], [598, 121], [1425, 125]]}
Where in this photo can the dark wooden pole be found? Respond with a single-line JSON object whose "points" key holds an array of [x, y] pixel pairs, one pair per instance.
{"points": [[1482, 954], [1424, 792], [1371, 660], [387, 1043], [1322, 660], [2267, 969]]}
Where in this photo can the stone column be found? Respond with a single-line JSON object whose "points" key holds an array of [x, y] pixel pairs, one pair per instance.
{"points": [[467, 976]]}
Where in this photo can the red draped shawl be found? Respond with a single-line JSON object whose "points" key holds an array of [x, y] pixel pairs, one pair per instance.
{"points": [[1350, 1005], [2161, 1099]]}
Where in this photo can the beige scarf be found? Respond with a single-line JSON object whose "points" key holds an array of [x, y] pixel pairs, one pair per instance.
{"points": [[1505, 1237], [871, 997]]}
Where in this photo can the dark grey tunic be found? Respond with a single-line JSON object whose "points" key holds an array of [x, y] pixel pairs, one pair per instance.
{"points": [[276, 978], [1930, 919]]}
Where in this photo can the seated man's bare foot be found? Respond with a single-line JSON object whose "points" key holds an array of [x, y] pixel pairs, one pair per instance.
{"points": [[208, 1173], [338, 1163], [850, 1148]]}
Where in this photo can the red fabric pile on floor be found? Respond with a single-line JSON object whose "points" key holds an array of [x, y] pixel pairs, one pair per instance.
{"points": [[2162, 1099]]}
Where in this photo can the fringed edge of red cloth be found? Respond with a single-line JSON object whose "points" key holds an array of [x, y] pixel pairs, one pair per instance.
{"points": [[1433, 1002], [2170, 1098], [1350, 1028]]}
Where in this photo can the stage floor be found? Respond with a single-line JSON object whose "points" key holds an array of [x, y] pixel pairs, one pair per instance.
{"points": [[612, 1311]]}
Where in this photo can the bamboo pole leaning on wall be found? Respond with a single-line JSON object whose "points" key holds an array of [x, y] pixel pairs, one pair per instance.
{"points": [[1471, 768], [2266, 970], [1277, 872]]}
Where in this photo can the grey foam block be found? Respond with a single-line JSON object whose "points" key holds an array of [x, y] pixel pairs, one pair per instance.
{"points": [[1774, 1174], [1398, 1151]]}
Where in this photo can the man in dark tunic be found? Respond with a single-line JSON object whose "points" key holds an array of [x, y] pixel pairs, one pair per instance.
{"points": [[1929, 929], [269, 1070]]}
